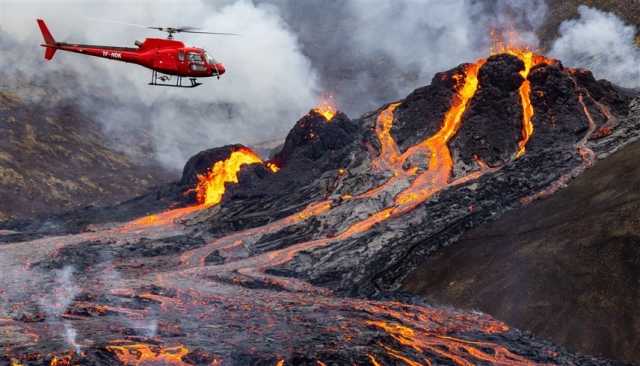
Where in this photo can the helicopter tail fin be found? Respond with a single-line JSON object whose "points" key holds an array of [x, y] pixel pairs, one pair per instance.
{"points": [[49, 42]]}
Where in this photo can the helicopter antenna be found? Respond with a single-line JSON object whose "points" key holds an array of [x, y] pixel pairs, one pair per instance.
{"points": [[169, 30]]}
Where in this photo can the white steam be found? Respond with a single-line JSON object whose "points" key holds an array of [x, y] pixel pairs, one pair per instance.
{"points": [[268, 85], [63, 291], [369, 52], [435, 35], [70, 335], [145, 327], [364, 52], [601, 42], [111, 279]]}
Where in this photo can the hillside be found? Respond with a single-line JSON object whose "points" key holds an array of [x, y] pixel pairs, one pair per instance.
{"points": [[55, 157], [567, 267], [298, 260]]}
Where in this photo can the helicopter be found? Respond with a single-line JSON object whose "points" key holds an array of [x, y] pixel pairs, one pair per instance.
{"points": [[165, 57]]}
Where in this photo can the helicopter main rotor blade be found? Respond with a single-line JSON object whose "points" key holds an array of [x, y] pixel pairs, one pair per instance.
{"points": [[184, 29], [119, 22], [214, 33], [187, 28]]}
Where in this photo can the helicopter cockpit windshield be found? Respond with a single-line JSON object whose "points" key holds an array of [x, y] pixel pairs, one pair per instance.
{"points": [[210, 60]]}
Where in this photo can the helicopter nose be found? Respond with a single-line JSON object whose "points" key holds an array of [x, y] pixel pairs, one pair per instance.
{"points": [[219, 68]]}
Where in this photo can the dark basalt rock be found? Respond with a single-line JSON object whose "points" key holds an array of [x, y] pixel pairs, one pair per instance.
{"points": [[309, 161], [421, 113], [313, 137], [214, 258], [559, 118], [603, 91], [288, 236], [492, 124], [281, 292], [84, 255], [156, 200]]}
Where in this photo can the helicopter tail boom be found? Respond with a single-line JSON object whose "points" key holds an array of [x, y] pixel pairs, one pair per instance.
{"points": [[49, 42]]}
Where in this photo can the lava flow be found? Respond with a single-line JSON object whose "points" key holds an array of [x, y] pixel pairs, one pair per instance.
{"points": [[513, 46], [441, 162], [258, 283], [137, 354], [211, 186], [209, 189]]}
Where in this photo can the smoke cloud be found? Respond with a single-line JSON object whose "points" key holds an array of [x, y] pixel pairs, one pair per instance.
{"points": [[363, 52], [371, 52], [601, 42], [268, 85]]}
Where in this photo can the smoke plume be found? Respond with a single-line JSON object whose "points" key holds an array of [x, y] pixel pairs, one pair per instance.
{"points": [[268, 84], [363, 52], [601, 42], [371, 52]]}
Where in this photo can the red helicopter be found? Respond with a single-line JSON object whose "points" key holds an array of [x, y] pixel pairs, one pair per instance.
{"points": [[165, 56]]}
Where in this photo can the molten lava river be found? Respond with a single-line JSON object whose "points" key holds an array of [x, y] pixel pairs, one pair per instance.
{"points": [[159, 291]]}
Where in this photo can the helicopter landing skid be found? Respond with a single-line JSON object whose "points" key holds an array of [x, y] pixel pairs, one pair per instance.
{"points": [[162, 81]]}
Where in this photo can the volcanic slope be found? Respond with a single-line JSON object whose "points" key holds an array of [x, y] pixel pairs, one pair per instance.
{"points": [[54, 157], [299, 261], [566, 268]]}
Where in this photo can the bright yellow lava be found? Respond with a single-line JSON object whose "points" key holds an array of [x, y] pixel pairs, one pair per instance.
{"points": [[211, 186]]}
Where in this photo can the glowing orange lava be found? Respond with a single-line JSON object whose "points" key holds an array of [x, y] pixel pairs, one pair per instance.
{"points": [[60, 361], [272, 166], [388, 149], [441, 162], [140, 354], [530, 60], [514, 46], [373, 361], [211, 186], [326, 108], [161, 219], [445, 347]]}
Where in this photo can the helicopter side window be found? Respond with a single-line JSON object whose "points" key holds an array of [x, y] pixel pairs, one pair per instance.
{"points": [[195, 58], [181, 56]]}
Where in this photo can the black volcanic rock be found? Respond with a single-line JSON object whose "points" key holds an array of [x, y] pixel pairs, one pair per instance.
{"points": [[421, 113], [567, 268], [313, 137], [314, 151], [492, 124], [602, 91], [304, 265], [559, 118]]}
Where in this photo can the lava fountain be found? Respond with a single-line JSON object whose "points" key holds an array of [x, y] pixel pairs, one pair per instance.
{"points": [[326, 108], [211, 186]]}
